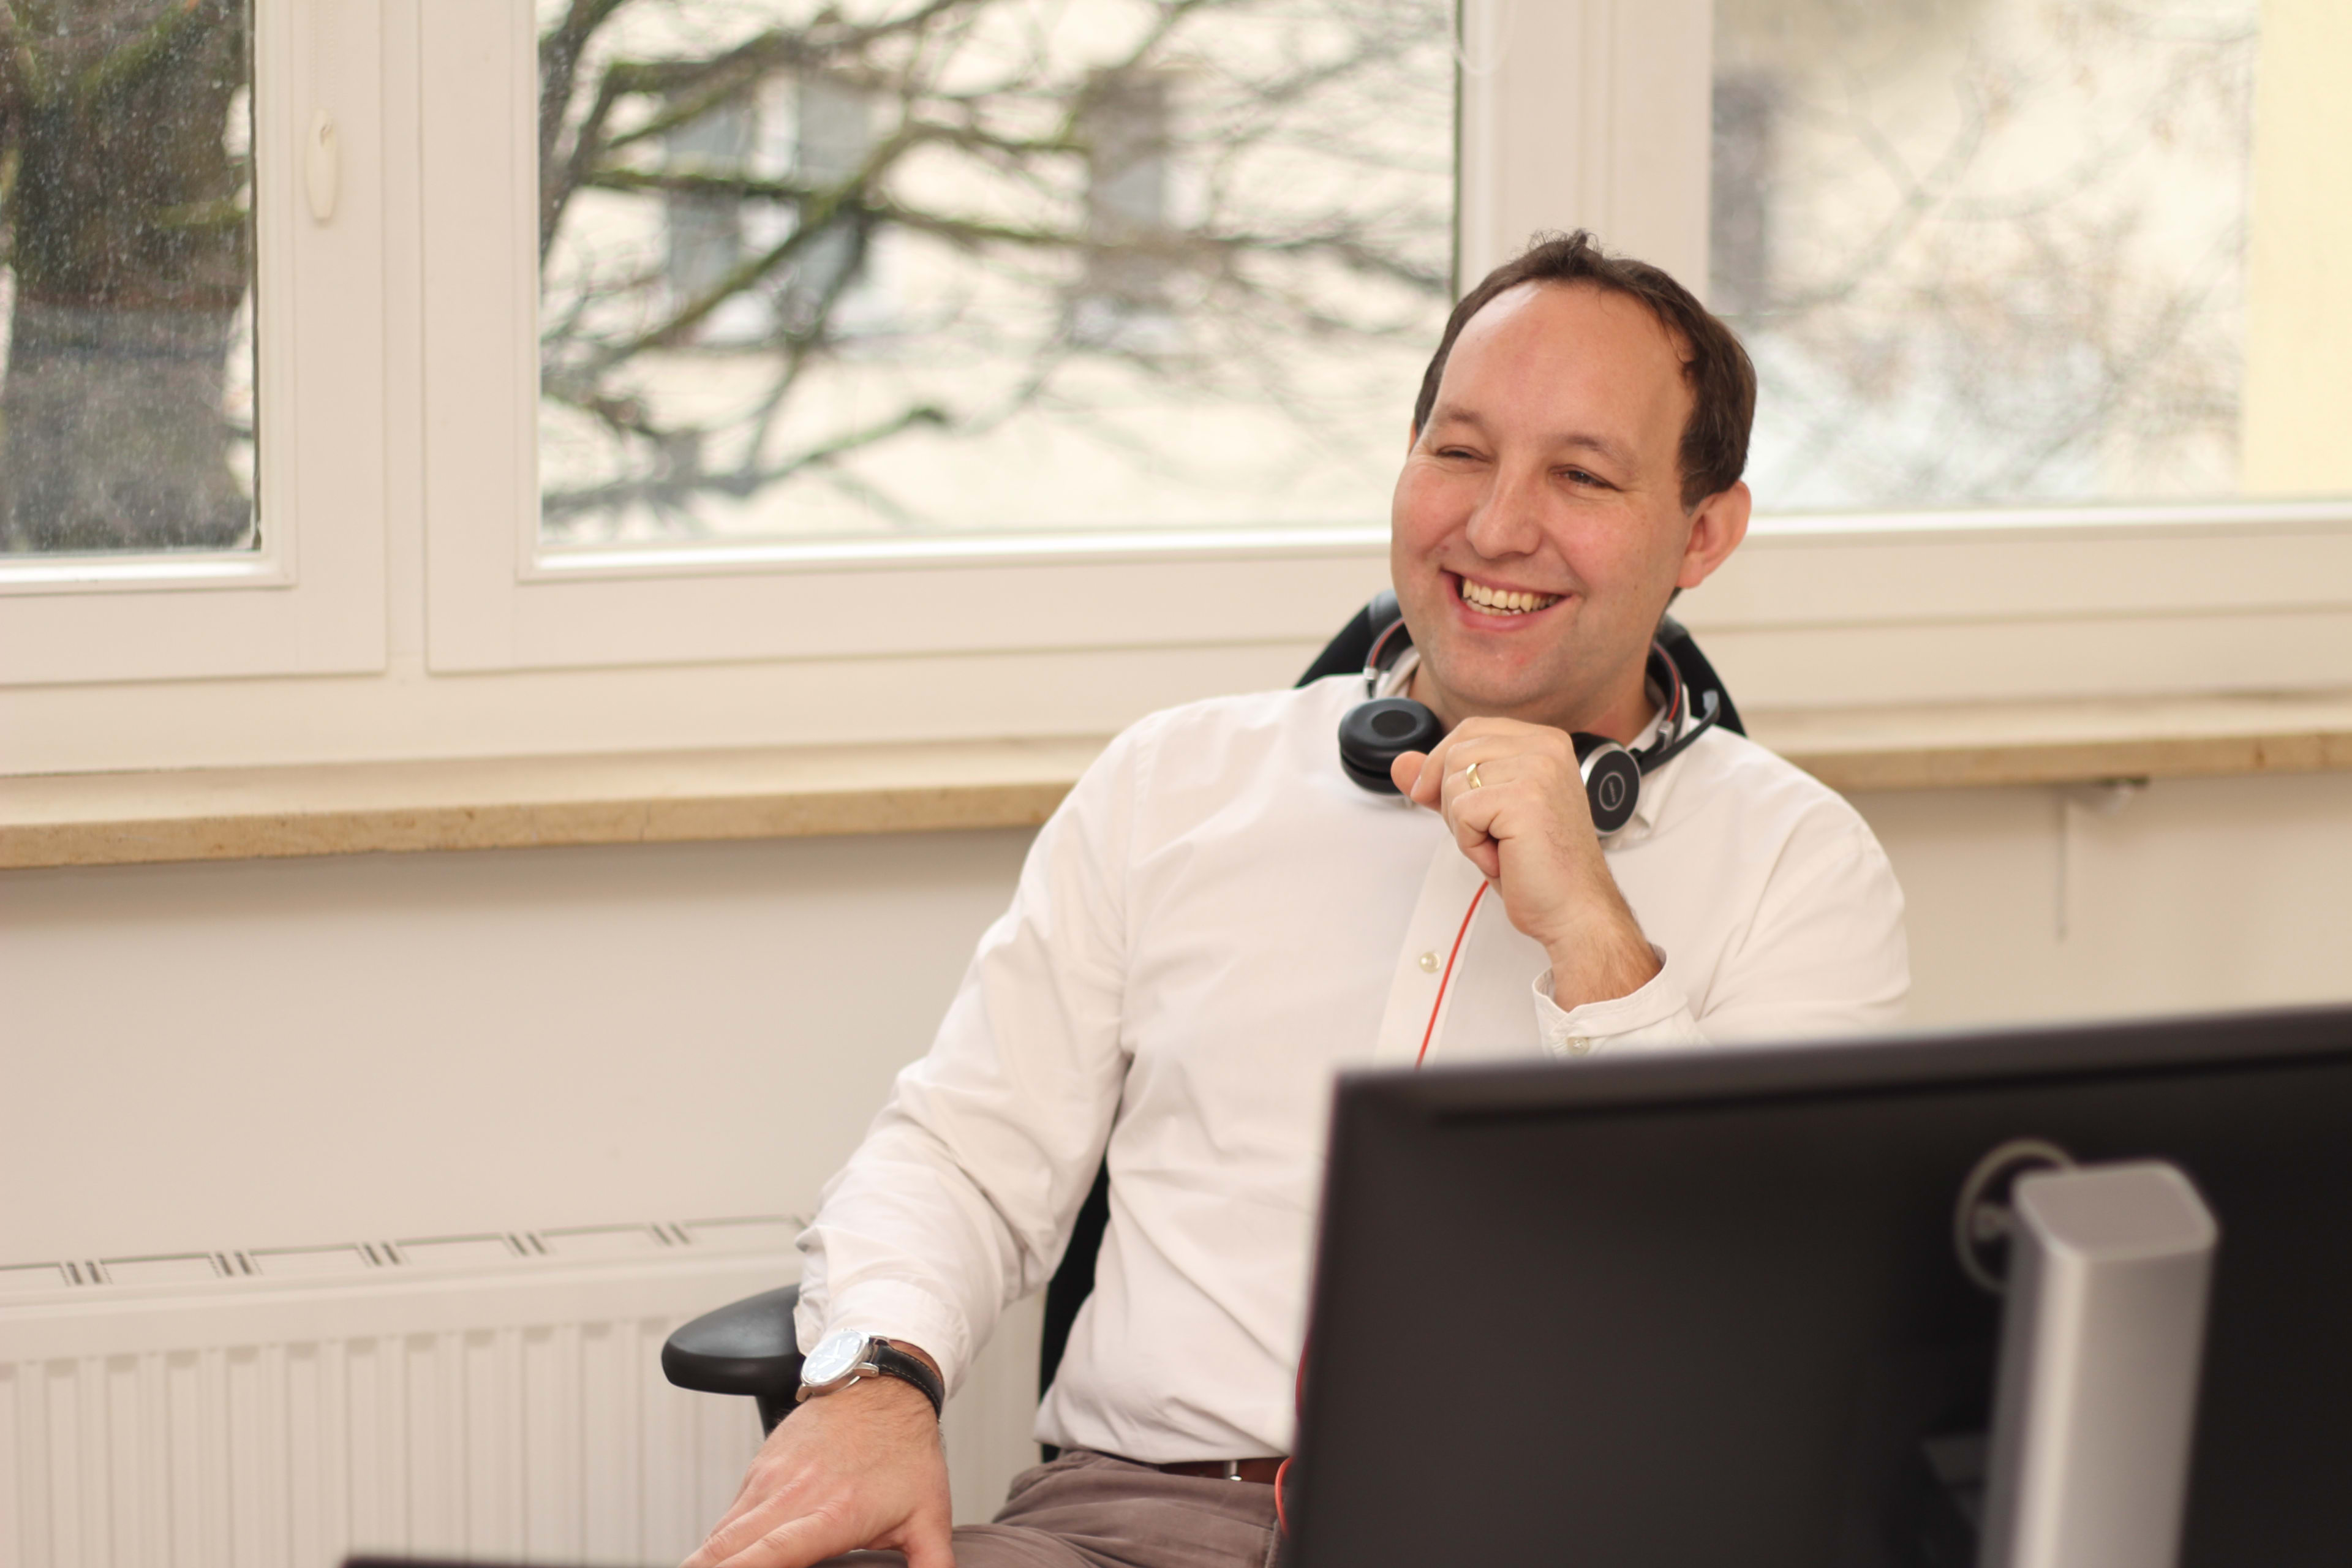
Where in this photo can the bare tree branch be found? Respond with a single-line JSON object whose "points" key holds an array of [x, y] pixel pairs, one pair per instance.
{"points": [[672, 489], [956, 91]]}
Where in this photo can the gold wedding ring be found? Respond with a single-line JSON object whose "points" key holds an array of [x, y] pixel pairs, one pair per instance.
{"points": [[1476, 782]]}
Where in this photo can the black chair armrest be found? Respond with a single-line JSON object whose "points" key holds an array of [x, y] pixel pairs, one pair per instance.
{"points": [[746, 1347]]}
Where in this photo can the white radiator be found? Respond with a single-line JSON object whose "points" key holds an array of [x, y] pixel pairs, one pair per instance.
{"points": [[495, 1396]]}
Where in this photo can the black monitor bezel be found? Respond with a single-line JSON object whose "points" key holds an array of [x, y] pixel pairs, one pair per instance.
{"points": [[1374, 1106]]}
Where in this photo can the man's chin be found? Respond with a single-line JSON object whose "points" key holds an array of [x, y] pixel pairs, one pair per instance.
{"points": [[1523, 696]]}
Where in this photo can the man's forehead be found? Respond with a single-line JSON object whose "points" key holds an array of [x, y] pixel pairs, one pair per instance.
{"points": [[1596, 347], [1583, 319]]}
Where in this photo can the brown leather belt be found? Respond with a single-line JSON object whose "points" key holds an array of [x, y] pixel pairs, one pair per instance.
{"points": [[1260, 1470]]}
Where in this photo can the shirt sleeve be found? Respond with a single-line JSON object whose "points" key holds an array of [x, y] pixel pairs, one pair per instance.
{"points": [[1823, 956], [966, 1187], [1656, 1014]]}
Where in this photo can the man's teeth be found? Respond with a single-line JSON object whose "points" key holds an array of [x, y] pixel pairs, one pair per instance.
{"points": [[1504, 602]]}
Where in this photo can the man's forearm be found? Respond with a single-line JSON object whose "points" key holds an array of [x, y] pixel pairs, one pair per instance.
{"points": [[1602, 958]]}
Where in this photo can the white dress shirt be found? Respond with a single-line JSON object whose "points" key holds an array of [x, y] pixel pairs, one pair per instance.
{"points": [[1215, 923]]}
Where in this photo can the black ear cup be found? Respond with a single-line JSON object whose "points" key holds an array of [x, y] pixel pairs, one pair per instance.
{"points": [[1376, 733], [1612, 782]]}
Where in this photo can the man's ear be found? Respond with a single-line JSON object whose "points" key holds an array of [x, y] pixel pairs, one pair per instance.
{"points": [[1718, 525], [1412, 437]]}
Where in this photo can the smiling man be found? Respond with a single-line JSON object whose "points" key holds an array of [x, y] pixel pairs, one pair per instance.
{"points": [[1219, 919]]}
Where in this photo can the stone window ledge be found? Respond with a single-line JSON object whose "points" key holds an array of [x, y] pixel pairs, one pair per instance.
{"points": [[99, 819]]}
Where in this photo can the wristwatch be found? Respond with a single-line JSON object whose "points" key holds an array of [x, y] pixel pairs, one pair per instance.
{"points": [[843, 1356]]}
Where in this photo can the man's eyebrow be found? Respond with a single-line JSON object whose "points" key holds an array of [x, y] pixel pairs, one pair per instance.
{"points": [[1614, 451], [1449, 413], [1607, 446]]}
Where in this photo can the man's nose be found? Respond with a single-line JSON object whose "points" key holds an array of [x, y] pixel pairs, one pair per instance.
{"points": [[1510, 520]]}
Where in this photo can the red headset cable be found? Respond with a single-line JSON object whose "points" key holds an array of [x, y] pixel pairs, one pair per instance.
{"points": [[1439, 1006], [1298, 1385]]}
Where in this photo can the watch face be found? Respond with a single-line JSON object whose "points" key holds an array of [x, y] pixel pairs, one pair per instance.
{"points": [[833, 1356]]}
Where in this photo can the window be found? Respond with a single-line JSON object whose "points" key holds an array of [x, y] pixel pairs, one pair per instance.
{"points": [[2052, 372], [126, 274], [999, 267], [192, 412], [2009, 252], [911, 368]]}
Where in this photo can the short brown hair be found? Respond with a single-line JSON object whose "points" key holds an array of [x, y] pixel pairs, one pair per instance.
{"points": [[1721, 378]]}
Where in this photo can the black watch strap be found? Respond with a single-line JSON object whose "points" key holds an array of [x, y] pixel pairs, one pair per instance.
{"points": [[891, 1362]]}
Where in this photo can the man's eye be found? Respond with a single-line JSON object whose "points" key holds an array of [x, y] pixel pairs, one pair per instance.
{"points": [[1584, 477]]}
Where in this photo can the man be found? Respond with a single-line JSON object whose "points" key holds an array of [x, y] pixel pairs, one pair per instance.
{"points": [[1218, 918]]}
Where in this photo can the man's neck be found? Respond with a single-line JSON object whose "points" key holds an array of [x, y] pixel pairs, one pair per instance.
{"points": [[1622, 719]]}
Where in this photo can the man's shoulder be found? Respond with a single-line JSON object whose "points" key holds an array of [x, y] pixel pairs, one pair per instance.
{"points": [[1256, 751], [1729, 772], [1240, 725]]}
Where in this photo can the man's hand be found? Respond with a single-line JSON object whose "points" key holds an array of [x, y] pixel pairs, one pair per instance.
{"points": [[1528, 829], [857, 1468]]}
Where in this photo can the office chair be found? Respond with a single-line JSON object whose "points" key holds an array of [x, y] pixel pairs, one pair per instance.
{"points": [[748, 1347]]}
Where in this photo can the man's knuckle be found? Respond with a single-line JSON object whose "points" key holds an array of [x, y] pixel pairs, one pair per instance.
{"points": [[797, 1533], [725, 1542]]}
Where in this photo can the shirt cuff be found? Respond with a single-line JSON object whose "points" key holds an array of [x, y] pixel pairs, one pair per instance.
{"points": [[892, 1309], [1656, 1014]]}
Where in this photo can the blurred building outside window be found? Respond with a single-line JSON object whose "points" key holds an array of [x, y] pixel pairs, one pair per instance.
{"points": [[1127, 296]]}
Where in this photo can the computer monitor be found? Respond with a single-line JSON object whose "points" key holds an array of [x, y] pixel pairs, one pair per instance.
{"points": [[1707, 1308]]}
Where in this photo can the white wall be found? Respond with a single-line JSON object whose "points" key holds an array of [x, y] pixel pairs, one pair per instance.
{"points": [[250, 1053], [260, 1053], [277, 1053], [2196, 894]]}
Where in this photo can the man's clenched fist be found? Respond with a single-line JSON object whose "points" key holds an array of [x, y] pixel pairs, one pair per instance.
{"points": [[1525, 825]]}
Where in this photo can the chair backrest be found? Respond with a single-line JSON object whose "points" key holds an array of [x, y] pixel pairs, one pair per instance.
{"points": [[1074, 1281]]}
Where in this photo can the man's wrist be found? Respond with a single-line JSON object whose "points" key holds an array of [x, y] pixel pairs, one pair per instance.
{"points": [[846, 1358], [891, 1393], [1608, 964]]}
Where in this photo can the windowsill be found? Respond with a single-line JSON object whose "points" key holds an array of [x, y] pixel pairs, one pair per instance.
{"points": [[1978, 744], [97, 819], [514, 802]]}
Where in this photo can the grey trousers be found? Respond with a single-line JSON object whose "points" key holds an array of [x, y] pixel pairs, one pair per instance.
{"points": [[1090, 1511]]}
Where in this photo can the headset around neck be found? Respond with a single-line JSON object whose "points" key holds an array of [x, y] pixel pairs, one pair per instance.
{"points": [[1378, 729]]}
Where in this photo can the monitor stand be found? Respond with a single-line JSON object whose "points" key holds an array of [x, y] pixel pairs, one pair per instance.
{"points": [[2095, 1401]]}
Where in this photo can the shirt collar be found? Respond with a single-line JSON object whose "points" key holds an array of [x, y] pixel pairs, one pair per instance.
{"points": [[1651, 802]]}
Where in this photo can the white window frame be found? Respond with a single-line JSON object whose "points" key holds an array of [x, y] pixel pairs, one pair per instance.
{"points": [[409, 520], [310, 599], [1596, 112], [498, 601], [1591, 112]]}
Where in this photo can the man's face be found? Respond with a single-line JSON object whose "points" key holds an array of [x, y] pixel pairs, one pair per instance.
{"points": [[1538, 528]]}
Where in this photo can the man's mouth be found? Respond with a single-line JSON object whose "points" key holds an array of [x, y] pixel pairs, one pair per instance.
{"points": [[1503, 600]]}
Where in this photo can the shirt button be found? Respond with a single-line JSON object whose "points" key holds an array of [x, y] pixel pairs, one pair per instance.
{"points": [[1577, 1046], [1429, 963]]}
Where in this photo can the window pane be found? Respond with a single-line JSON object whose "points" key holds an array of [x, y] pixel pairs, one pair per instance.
{"points": [[1990, 252], [126, 274], [1005, 265]]}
